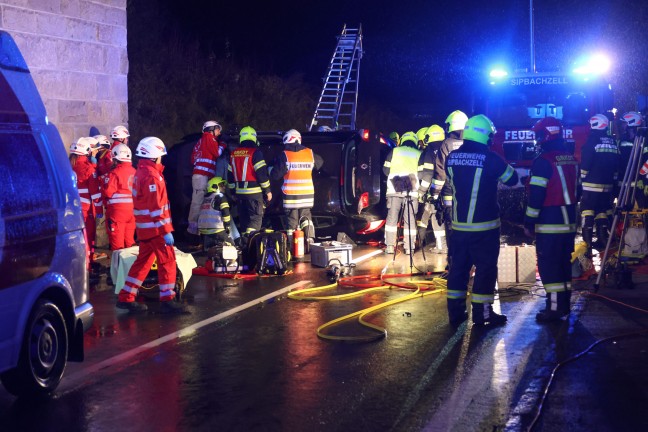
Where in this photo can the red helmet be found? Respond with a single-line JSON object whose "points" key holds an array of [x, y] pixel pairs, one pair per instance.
{"points": [[547, 129]]}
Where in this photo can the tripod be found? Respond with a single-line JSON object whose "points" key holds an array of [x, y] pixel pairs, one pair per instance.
{"points": [[411, 214], [625, 202]]}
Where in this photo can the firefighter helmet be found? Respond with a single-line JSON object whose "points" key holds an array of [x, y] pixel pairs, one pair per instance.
{"points": [[122, 153], [632, 118], [248, 134], [395, 137], [599, 122], [456, 121], [119, 132], [103, 140], [479, 128], [211, 125], [547, 129], [433, 134], [409, 136], [420, 134], [150, 148], [213, 183], [82, 146], [292, 137]]}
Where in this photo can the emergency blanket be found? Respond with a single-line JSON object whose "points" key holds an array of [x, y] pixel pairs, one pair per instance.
{"points": [[123, 259]]}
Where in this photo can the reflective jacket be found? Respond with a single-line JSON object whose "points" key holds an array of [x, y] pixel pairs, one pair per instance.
{"points": [[401, 162], [150, 201], [439, 184], [214, 214], [426, 167], [599, 163], [297, 188], [553, 187], [474, 172], [204, 155], [88, 185], [247, 172], [117, 190]]}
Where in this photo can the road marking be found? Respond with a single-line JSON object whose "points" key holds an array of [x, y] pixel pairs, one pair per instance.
{"points": [[74, 380], [366, 257]]}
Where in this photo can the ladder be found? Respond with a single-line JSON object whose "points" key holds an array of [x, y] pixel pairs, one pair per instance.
{"points": [[336, 107]]}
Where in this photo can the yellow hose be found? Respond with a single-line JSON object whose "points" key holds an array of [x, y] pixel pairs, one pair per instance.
{"points": [[438, 285]]}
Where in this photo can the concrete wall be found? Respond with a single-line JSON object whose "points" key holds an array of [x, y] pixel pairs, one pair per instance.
{"points": [[76, 51]]}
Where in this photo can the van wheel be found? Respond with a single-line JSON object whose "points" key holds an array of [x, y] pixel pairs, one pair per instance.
{"points": [[43, 354]]}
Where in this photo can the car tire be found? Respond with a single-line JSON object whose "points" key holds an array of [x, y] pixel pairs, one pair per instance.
{"points": [[43, 355]]}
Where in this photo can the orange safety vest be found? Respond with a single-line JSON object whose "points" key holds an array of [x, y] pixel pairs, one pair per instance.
{"points": [[297, 186]]}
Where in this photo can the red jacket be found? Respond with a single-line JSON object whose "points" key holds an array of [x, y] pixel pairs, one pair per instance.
{"points": [[104, 162], [117, 190], [150, 201], [88, 184], [204, 155]]}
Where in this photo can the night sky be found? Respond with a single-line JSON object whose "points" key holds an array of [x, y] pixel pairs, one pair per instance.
{"points": [[418, 51]]}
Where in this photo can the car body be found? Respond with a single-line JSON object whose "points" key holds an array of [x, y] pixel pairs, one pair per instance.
{"points": [[44, 299], [349, 187]]}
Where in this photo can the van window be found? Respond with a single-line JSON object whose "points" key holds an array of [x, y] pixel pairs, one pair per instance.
{"points": [[28, 218]]}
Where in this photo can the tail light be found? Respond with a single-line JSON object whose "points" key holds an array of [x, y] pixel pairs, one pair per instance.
{"points": [[371, 227], [365, 134], [363, 202], [383, 140]]}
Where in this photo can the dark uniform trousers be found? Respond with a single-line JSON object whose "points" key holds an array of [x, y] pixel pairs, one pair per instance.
{"points": [[554, 265], [250, 214]]}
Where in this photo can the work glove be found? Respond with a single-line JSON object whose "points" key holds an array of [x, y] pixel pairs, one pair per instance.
{"points": [[168, 239], [93, 160]]}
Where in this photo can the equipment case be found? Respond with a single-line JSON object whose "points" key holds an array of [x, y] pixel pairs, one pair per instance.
{"points": [[322, 253], [516, 264]]}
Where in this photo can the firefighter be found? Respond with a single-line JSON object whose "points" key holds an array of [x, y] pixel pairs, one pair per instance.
{"points": [[474, 172], [434, 136], [248, 177], [154, 231], [455, 123], [599, 172], [205, 153], [400, 167], [117, 191], [84, 165], [551, 215], [295, 166], [214, 218], [630, 122]]}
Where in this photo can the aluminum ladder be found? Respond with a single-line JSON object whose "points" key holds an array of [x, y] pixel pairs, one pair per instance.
{"points": [[336, 107]]}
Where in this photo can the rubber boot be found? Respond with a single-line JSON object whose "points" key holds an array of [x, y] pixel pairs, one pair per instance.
{"points": [[588, 234], [601, 234], [556, 308], [457, 312], [483, 315]]}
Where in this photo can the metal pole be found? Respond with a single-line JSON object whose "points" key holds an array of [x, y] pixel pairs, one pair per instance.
{"points": [[532, 50]]}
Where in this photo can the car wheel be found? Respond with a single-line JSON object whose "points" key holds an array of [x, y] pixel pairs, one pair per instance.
{"points": [[43, 354]]}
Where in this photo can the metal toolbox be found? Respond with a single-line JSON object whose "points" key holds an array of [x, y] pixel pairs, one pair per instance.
{"points": [[322, 253], [516, 264]]}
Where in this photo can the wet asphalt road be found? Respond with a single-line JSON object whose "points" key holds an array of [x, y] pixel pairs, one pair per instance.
{"points": [[263, 368]]}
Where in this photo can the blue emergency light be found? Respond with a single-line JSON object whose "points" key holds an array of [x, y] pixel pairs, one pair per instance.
{"points": [[596, 65]]}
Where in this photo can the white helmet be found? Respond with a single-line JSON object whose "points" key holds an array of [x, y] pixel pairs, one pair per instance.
{"points": [[122, 153], [599, 122], [632, 118], [150, 148], [103, 140], [292, 137], [210, 125], [119, 132], [83, 146]]}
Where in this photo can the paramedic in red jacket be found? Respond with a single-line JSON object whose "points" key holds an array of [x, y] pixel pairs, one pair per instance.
{"points": [[153, 225], [84, 166], [120, 219], [204, 156]]}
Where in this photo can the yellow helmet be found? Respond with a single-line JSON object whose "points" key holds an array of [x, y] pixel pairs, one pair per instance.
{"points": [[456, 121], [433, 134], [420, 134], [479, 129], [248, 134], [395, 137], [212, 184], [409, 136]]}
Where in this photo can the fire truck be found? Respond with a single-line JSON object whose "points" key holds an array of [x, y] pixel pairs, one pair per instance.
{"points": [[516, 101]]}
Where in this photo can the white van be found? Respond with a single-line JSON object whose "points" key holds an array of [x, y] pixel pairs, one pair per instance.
{"points": [[44, 308]]}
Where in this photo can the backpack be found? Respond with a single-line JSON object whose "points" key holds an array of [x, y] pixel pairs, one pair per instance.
{"points": [[269, 250]]}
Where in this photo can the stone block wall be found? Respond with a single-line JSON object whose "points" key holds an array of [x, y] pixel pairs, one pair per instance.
{"points": [[76, 51]]}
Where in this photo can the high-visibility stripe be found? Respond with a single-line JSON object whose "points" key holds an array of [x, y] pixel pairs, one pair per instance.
{"points": [[120, 200], [557, 287], [481, 226], [539, 181], [596, 187], [84, 190], [532, 212], [455, 294], [208, 161], [473, 195], [134, 281], [482, 298], [555, 228], [563, 183], [508, 173], [85, 200], [155, 224]]}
